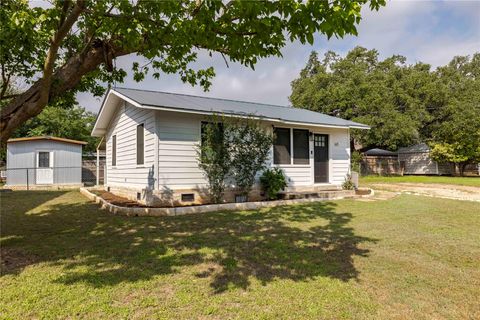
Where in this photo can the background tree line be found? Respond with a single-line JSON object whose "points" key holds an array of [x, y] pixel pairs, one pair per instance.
{"points": [[403, 103]]}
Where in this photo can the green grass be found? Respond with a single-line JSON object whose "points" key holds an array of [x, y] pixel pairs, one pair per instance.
{"points": [[465, 181], [405, 258]]}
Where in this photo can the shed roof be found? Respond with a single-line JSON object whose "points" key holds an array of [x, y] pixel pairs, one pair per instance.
{"points": [[417, 148], [379, 152], [47, 138], [204, 105]]}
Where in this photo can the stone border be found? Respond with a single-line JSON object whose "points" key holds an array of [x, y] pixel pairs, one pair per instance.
{"points": [[179, 211]]}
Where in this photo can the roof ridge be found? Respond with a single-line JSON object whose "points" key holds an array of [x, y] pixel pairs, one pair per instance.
{"points": [[223, 99]]}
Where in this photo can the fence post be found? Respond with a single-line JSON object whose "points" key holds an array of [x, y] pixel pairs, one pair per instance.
{"points": [[27, 180]]}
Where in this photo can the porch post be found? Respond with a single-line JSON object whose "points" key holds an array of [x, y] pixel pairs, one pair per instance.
{"points": [[98, 167]]}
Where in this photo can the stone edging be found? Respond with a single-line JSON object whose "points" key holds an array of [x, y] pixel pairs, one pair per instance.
{"points": [[177, 211]]}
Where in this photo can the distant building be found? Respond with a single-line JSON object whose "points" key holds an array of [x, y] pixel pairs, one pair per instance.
{"points": [[44, 161], [416, 160]]}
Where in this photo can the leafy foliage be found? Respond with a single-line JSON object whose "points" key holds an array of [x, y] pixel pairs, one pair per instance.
{"points": [[273, 181], [71, 46], [348, 183], [214, 156], [250, 149], [72, 123], [232, 148], [387, 95]]}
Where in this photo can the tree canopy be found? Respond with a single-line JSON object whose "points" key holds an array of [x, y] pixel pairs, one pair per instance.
{"points": [[72, 45], [403, 103]]}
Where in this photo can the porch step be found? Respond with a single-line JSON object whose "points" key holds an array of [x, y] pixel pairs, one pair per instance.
{"points": [[325, 194]]}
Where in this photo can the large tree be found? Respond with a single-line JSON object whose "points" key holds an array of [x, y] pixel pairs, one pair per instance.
{"points": [[71, 46], [455, 127], [389, 95]]}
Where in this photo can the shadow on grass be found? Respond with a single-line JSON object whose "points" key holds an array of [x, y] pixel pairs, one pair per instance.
{"points": [[229, 248]]}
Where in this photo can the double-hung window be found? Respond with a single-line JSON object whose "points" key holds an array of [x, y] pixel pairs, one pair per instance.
{"points": [[291, 146]]}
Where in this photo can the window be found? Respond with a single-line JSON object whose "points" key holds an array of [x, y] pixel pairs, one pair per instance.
{"points": [[188, 197], [320, 140], [281, 146], [43, 159], [114, 150], [300, 147], [140, 143]]}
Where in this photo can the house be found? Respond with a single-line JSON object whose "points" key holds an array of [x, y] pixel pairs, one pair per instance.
{"points": [[416, 160], [44, 161], [151, 140]]}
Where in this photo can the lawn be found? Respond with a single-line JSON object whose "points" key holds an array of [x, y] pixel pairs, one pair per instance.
{"points": [[464, 181], [405, 258]]}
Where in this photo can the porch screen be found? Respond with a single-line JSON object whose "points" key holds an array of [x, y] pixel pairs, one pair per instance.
{"points": [[300, 147], [281, 146]]}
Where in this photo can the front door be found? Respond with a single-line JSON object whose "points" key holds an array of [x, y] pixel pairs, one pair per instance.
{"points": [[44, 167], [320, 147]]}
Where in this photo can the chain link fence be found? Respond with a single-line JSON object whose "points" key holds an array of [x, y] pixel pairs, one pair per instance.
{"points": [[35, 177]]}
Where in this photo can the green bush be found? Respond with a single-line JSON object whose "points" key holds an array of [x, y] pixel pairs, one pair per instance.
{"points": [[273, 181], [348, 183]]}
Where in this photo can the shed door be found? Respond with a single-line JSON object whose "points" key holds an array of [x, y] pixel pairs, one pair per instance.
{"points": [[320, 147], [44, 167]]}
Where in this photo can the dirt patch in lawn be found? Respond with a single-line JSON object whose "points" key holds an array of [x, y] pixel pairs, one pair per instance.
{"points": [[12, 259], [434, 190]]}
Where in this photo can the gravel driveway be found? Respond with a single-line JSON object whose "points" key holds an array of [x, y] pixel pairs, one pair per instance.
{"points": [[433, 190]]}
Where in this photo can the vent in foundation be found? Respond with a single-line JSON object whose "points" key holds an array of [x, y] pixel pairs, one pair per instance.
{"points": [[139, 196], [188, 197]]}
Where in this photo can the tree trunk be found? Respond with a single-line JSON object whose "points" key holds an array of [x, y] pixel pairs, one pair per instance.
{"points": [[29, 104]]}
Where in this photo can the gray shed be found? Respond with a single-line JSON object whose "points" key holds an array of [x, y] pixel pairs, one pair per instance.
{"points": [[44, 161], [416, 160]]}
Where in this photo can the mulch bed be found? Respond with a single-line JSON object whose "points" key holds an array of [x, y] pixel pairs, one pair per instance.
{"points": [[117, 200]]}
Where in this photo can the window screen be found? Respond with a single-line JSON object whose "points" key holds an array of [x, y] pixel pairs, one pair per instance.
{"points": [[140, 144], [281, 146], [44, 159], [114, 150], [300, 147]]}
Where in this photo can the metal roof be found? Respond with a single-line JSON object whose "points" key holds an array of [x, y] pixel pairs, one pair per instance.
{"points": [[46, 138], [379, 152], [418, 148], [198, 104]]}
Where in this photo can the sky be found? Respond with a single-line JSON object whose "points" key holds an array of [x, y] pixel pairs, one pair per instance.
{"points": [[428, 31]]}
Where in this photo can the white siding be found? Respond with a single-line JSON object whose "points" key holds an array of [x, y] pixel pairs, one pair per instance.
{"points": [[179, 133], [418, 163], [67, 161], [127, 173]]}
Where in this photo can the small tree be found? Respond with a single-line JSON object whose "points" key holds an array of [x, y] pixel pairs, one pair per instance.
{"points": [[214, 156], [250, 148]]}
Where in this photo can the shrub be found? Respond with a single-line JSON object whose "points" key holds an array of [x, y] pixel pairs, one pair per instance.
{"points": [[348, 183], [273, 181], [250, 145], [356, 160], [214, 157]]}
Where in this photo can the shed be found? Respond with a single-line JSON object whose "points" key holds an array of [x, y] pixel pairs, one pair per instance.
{"points": [[416, 160], [44, 161]]}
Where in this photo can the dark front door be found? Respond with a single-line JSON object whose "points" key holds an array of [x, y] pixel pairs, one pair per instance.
{"points": [[320, 149]]}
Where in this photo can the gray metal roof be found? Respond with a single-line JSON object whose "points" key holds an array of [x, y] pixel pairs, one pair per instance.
{"points": [[417, 148], [379, 152], [232, 107]]}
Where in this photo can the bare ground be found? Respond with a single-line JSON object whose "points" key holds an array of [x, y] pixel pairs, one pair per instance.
{"points": [[457, 192]]}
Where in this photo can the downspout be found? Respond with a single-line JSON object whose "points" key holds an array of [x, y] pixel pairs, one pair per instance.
{"points": [[155, 165]]}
